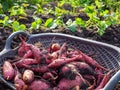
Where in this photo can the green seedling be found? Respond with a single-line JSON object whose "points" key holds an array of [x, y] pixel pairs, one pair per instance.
{"points": [[6, 21], [16, 26], [71, 25], [36, 24], [17, 10]]}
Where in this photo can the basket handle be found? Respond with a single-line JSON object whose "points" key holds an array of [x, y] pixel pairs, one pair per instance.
{"points": [[10, 38]]}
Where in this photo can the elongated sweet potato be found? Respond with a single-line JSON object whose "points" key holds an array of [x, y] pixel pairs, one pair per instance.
{"points": [[104, 81], [28, 54], [23, 62], [59, 62], [23, 48]]}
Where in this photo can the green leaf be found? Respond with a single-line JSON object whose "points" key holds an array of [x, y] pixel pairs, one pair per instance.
{"points": [[15, 25], [1, 21], [6, 18], [89, 9], [53, 26], [5, 6], [69, 22], [49, 22], [108, 23], [80, 22], [99, 4], [22, 27], [101, 32], [102, 27], [34, 25], [72, 28], [38, 21], [104, 13]]}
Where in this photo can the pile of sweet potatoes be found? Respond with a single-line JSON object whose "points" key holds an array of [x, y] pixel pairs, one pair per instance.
{"points": [[55, 67]]}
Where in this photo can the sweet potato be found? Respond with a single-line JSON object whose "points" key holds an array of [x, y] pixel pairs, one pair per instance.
{"points": [[92, 62], [66, 84], [28, 76], [104, 81], [53, 56], [23, 48], [28, 54], [70, 70], [48, 75], [99, 76], [61, 61], [92, 80], [83, 68], [36, 52], [38, 68], [23, 62], [8, 71], [55, 47], [63, 50], [18, 82], [39, 85]]}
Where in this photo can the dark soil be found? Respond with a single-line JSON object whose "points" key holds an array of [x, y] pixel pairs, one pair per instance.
{"points": [[111, 35]]}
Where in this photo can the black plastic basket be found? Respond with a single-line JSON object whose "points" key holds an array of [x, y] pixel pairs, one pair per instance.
{"points": [[107, 55]]}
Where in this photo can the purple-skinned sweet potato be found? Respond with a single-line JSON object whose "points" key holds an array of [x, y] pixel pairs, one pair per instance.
{"points": [[8, 71], [18, 82], [66, 84], [39, 85]]}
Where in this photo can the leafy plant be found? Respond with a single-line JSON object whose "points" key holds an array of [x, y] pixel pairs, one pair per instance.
{"points": [[36, 24], [80, 22], [38, 9], [16, 26], [17, 10], [6, 21], [6, 4], [49, 22], [71, 25]]}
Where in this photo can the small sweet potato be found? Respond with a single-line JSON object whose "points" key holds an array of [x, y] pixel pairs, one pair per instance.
{"points": [[55, 47], [18, 82], [8, 71], [28, 76]]}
